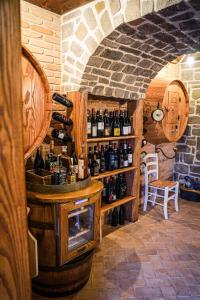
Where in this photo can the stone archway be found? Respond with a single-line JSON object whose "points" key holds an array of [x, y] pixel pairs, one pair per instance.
{"points": [[128, 58]]}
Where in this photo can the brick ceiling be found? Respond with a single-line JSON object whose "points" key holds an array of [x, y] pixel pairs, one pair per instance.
{"points": [[59, 6], [127, 60]]}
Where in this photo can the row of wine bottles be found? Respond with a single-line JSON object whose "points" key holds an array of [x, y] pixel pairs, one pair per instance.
{"points": [[64, 168], [117, 216], [105, 124], [115, 187], [109, 158]]}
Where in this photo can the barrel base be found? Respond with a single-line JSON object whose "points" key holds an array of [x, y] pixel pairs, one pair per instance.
{"points": [[64, 280]]}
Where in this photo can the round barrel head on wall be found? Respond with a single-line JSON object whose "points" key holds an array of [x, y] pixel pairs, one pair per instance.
{"points": [[37, 104], [170, 98]]}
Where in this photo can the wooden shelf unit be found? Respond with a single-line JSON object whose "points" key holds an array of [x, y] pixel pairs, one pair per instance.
{"points": [[111, 138], [114, 172], [82, 102], [107, 207]]}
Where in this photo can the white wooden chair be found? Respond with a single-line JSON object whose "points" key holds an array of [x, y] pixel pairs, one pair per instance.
{"points": [[168, 190]]}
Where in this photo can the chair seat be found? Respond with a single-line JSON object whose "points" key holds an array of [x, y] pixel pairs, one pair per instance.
{"points": [[162, 183]]}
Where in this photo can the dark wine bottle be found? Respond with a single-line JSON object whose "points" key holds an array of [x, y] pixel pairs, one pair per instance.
{"points": [[129, 123], [62, 119], [89, 125], [130, 155], [120, 158], [104, 191], [115, 157], [115, 217], [107, 128], [94, 167], [62, 100], [125, 156], [90, 159], [100, 125], [125, 128], [102, 160], [121, 121], [60, 135], [94, 124], [111, 158], [116, 125], [121, 215], [38, 163]]}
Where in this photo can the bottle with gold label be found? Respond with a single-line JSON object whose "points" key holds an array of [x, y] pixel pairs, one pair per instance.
{"points": [[116, 124]]}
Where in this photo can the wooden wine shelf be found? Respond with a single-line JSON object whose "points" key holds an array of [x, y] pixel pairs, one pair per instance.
{"points": [[107, 207], [114, 172], [111, 138]]}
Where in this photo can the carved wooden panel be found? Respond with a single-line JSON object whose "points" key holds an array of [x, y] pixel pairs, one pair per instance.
{"points": [[36, 103]]}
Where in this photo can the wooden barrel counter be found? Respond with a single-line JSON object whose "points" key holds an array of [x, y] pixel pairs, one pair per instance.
{"points": [[172, 98], [37, 104], [64, 255]]}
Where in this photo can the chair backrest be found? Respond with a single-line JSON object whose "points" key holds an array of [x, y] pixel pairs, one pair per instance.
{"points": [[151, 168]]}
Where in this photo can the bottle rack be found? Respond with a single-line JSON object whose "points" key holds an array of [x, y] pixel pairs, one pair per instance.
{"points": [[84, 101]]}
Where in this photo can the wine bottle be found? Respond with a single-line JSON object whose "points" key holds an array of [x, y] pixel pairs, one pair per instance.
{"points": [[107, 127], [38, 163], [90, 159], [109, 194], [121, 215], [62, 100], [94, 124], [115, 217], [104, 191], [111, 119], [125, 156], [89, 125], [129, 123], [120, 158], [96, 152], [100, 125], [60, 135], [82, 165], [125, 128], [115, 157], [113, 182], [94, 167], [116, 125], [102, 160], [130, 155], [62, 119], [111, 158], [121, 121], [74, 164]]}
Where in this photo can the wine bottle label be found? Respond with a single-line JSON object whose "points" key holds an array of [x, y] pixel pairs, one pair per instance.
{"points": [[125, 163], [61, 135], [89, 128], [98, 160], [114, 197], [107, 131], [96, 170], [116, 131], [129, 129], [94, 131], [100, 125], [81, 168], [130, 158], [125, 130], [75, 169]]}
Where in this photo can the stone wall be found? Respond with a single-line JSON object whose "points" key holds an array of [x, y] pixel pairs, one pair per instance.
{"points": [[41, 34], [84, 29], [188, 159], [127, 59]]}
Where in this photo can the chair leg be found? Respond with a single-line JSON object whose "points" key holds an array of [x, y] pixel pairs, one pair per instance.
{"points": [[145, 199], [165, 203], [154, 196], [176, 197]]}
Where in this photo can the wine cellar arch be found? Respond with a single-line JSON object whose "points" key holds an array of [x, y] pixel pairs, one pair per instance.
{"points": [[128, 59]]}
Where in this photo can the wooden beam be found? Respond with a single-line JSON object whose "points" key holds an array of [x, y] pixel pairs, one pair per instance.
{"points": [[14, 265]]}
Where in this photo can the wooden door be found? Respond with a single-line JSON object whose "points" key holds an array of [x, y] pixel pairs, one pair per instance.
{"points": [[14, 265]]}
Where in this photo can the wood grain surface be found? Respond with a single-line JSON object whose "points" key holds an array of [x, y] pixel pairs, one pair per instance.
{"points": [[172, 97], [37, 105], [59, 6], [14, 265]]}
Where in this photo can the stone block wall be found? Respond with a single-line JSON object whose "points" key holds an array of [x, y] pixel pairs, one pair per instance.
{"points": [[188, 159], [84, 29], [41, 34]]}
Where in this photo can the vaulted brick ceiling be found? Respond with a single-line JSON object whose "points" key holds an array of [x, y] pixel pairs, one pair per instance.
{"points": [[127, 60]]}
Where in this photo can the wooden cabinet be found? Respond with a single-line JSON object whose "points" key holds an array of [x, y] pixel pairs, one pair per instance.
{"points": [[78, 227], [83, 102]]}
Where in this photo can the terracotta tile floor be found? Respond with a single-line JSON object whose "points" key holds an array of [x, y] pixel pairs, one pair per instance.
{"points": [[150, 259]]}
